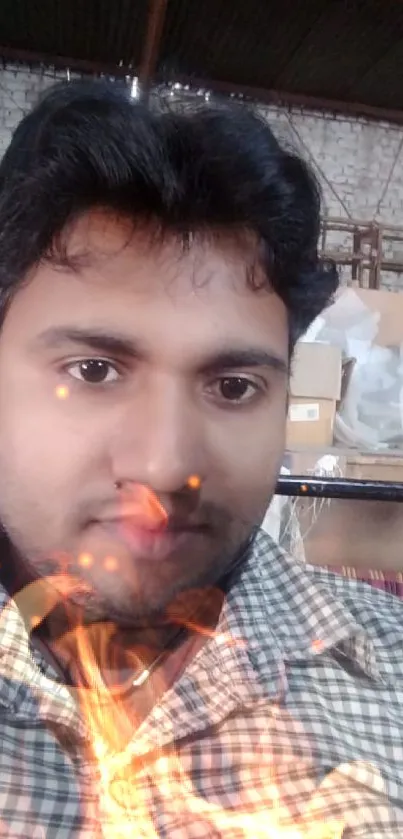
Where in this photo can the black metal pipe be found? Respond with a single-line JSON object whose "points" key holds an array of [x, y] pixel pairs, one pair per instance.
{"points": [[304, 486]]}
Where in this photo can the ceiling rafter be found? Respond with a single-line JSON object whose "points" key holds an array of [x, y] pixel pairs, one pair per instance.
{"points": [[322, 54]]}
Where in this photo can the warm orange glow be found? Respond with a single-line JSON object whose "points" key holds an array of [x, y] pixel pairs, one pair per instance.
{"points": [[124, 803], [113, 727], [317, 645], [194, 482], [35, 621], [62, 392], [85, 560], [110, 563], [139, 503]]}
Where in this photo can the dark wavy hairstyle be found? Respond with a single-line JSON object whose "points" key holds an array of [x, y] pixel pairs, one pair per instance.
{"points": [[202, 169]]}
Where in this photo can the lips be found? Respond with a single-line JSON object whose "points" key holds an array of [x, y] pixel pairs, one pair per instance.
{"points": [[151, 542]]}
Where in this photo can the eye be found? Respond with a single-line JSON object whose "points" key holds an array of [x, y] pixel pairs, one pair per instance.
{"points": [[93, 371], [236, 389]]}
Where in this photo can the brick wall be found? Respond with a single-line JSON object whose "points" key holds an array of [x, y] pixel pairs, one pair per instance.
{"points": [[353, 158], [19, 89], [360, 167]]}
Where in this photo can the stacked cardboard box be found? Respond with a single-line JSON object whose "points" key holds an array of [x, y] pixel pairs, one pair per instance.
{"points": [[363, 534], [315, 389]]}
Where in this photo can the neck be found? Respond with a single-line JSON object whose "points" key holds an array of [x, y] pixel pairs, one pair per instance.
{"points": [[128, 648], [119, 653]]}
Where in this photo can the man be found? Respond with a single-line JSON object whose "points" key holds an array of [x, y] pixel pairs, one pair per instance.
{"points": [[166, 671]]}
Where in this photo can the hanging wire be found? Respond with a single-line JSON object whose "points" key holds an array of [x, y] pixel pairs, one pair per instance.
{"points": [[389, 178], [316, 164]]}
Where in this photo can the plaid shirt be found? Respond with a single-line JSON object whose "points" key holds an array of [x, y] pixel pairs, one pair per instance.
{"points": [[295, 724]]}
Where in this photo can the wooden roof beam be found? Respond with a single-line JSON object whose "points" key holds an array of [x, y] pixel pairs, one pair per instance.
{"points": [[155, 25]]}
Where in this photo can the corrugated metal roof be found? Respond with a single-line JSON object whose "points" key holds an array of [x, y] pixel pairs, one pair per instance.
{"points": [[92, 30], [348, 50]]}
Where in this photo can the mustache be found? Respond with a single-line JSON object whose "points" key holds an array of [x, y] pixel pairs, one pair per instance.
{"points": [[176, 515]]}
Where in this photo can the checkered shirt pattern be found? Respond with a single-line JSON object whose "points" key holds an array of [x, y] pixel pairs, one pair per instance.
{"points": [[288, 724]]}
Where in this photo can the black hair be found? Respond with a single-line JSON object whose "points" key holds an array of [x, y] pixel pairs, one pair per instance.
{"points": [[201, 169]]}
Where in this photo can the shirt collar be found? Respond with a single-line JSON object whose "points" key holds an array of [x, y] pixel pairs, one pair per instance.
{"points": [[277, 613], [281, 602], [29, 687]]}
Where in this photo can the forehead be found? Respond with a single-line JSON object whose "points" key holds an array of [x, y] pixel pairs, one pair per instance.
{"points": [[130, 279]]}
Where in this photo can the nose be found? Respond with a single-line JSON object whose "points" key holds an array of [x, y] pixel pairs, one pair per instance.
{"points": [[160, 442]]}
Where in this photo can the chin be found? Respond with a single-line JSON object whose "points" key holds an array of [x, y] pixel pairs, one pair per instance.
{"points": [[126, 611]]}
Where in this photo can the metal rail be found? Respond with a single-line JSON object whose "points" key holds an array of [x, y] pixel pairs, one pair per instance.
{"points": [[344, 488]]}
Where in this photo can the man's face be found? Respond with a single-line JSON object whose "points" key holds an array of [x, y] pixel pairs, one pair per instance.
{"points": [[145, 366]]}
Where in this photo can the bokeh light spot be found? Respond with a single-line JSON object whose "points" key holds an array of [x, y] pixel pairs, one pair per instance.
{"points": [[194, 482], [62, 392], [85, 560], [35, 621], [110, 563]]}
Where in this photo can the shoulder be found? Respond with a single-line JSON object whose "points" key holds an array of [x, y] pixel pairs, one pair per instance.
{"points": [[304, 607], [368, 604], [378, 613]]}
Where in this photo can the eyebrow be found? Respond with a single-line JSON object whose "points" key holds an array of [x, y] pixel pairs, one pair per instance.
{"points": [[114, 344], [98, 340], [251, 357]]}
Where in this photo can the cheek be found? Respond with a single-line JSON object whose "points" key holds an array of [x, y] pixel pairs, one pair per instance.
{"points": [[39, 446], [43, 469], [248, 456]]}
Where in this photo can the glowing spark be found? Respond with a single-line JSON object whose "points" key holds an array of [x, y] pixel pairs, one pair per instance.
{"points": [[139, 502], [194, 482], [85, 560], [227, 639], [110, 563], [62, 392], [35, 621], [317, 645]]}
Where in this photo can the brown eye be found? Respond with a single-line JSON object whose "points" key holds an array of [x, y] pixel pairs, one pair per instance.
{"points": [[236, 388], [94, 371]]}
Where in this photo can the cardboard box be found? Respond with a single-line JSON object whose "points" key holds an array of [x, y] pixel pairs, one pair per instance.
{"points": [[310, 422], [316, 371], [315, 388], [368, 467]]}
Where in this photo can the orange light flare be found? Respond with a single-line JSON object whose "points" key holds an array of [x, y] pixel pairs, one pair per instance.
{"points": [[62, 392], [194, 482], [124, 800], [85, 560], [196, 610], [110, 563], [36, 600], [113, 730], [35, 621], [140, 504]]}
